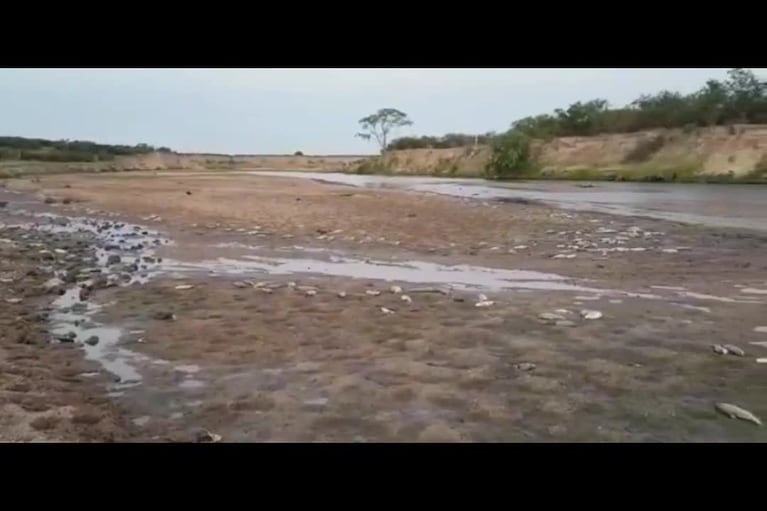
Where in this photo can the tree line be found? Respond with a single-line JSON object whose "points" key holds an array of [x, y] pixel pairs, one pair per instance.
{"points": [[38, 149], [739, 99]]}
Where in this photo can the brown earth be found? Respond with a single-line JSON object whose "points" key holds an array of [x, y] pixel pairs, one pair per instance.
{"points": [[279, 363], [737, 149], [716, 150], [174, 161]]}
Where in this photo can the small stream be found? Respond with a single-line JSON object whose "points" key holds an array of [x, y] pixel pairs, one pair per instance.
{"points": [[736, 206]]}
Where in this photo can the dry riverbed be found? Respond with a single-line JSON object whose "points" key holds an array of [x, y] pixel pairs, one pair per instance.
{"points": [[265, 309]]}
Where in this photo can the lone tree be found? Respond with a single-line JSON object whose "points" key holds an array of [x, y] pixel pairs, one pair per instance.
{"points": [[380, 124]]}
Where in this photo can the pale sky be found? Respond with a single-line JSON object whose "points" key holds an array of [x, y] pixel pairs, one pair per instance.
{"points": [[312, 110]]}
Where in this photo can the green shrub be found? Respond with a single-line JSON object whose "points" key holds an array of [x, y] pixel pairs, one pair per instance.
{"points": [[511, 156]]}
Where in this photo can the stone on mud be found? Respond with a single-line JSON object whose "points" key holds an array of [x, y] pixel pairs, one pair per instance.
{"points": [[113, 259], [92, 340], [205, 436]]}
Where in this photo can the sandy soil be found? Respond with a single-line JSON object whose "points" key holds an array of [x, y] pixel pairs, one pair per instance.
{"points": [[284, 358]]}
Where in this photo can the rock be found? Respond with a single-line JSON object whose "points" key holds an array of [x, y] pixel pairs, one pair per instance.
{"points": [[310, 292], [164, 315], [3, 204], [372, 292], [564, 256], [731, 348], [406, 298], [205, 436], [591, 314], [113, 259], [719, 349], [736, 412], [458, 299], [481, 298], [525, 366], [386, 311], [760, 329], [49, 200], [92, 340], [240, 284], [395, 289], [564, 322], [342, 294], [13, 300]]}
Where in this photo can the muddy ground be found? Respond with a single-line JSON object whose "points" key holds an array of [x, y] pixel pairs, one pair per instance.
{"points": [[223, 314]]}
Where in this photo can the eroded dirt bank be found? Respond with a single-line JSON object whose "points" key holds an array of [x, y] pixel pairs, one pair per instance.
{"points": [[265, 309]]}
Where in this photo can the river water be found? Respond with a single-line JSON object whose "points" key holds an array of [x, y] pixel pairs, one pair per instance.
{"points": [[737, 206]]}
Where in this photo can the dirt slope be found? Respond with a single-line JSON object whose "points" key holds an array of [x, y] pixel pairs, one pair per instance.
{"points": [[717, 150], [173, 161]]}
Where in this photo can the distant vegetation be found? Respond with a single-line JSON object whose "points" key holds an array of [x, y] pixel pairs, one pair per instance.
{"points": [[740, 99], [443, 142], [37, 149], [380, 125]]}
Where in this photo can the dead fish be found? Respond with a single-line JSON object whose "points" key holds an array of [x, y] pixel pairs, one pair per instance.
{"points": [[395, 289], [430, 290], [731, 348], [182, 287], [484, 303], [736, 412], [591, 314], [13, 300], [240, 284], [372, 292], [525, 366], [548, 316], [386, 311], [719, 349]]}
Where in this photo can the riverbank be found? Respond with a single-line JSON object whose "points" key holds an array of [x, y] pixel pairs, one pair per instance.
{"points": [[282, 309], [733, 154]]}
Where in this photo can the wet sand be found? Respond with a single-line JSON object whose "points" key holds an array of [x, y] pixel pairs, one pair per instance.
{"points": [[257, 345]]}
